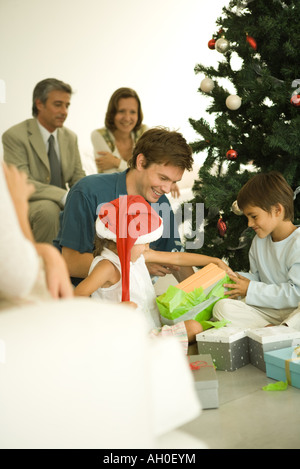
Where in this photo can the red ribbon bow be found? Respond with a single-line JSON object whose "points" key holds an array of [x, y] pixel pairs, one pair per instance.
{"points": [[199, 364]]}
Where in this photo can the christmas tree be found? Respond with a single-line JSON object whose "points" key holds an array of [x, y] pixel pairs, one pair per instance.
{"points": [[256, 128]]}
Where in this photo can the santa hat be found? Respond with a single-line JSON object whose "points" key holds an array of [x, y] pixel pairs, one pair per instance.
{"points": [[128, 220]]}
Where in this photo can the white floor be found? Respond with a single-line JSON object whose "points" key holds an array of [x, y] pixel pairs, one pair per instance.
{"points": [[247, 417]]}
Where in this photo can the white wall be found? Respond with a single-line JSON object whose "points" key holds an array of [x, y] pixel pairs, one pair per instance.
{"points": [[100, 45]]}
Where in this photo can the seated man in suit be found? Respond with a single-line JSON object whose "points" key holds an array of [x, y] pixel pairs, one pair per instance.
{"points": [[48, 153]]}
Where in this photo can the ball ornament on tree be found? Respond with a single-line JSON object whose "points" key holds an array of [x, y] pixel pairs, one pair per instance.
{"points": [[207, 85], [295, 100], [231, 154], [211, 44], [236, 209], [222, 45], [222, 228], [251, 41], [233, 102]]}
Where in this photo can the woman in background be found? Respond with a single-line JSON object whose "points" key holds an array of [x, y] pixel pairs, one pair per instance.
{"points": [[113, 144]]}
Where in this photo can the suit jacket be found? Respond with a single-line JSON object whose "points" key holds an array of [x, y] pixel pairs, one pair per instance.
{"points": [[24, 147]]}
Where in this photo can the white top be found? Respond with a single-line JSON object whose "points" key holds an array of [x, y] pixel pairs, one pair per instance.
{"points": [[274, 272], [100, 144], [19, 261], [45, 136], [141, 288], [266, 335], [226, 334]]}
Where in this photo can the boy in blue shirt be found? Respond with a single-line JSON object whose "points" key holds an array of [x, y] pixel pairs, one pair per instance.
{"points": [[271, 291]]}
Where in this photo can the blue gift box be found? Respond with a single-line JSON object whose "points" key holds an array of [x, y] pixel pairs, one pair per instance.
{"points": [[284, 365]]}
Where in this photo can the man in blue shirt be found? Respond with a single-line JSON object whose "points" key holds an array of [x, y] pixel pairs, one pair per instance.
{"points": [[159, 159]]}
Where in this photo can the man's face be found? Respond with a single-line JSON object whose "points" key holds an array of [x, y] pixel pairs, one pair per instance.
{"points": [[54, 112], [156, 180]]}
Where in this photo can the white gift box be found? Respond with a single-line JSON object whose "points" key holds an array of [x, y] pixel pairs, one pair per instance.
{"points": [[228, 347], [267, 339]]}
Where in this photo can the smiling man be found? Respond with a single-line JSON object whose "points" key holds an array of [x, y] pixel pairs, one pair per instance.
{"points": [[159, 160], [49, 164]]}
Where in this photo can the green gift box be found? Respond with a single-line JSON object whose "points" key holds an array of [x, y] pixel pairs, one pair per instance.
{"points": [[175, 305]]}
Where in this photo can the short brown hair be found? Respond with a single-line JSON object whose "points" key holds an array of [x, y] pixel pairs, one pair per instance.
{"points": [[112, 107], [162, 146], [265, 190]]}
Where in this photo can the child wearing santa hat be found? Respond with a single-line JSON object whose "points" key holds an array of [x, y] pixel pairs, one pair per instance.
{"points": [[124, 228]]}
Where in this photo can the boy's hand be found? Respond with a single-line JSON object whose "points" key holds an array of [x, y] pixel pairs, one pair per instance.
{"points": [[239, 288]]}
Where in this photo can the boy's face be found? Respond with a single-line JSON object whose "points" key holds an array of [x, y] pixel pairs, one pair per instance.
{"points": [[262, 222]]}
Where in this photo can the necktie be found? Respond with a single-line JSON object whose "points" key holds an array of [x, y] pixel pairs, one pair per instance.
{"points": [[55, 170]]}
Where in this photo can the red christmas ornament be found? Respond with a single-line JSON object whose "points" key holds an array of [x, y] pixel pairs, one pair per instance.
{"points": [[251, 41], [295, 100], [211, 44], [222, 228], [231, 154]]}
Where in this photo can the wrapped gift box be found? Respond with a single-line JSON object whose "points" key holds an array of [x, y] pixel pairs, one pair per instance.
{"points": [[267, 339], [191, 314], [206, 381], [207, 278], [284, 365], [228, 347]]}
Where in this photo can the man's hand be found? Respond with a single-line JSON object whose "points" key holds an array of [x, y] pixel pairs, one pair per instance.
{"points": [[161, 270]]}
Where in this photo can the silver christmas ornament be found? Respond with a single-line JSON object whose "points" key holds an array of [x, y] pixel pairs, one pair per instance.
{"points": [[222, 45]]}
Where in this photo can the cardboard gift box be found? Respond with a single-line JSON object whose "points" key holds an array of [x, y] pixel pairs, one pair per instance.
{"points": [[193, 298], [228, 347], [206, 382], [284, 365], [207, 278], [266, 339]]}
